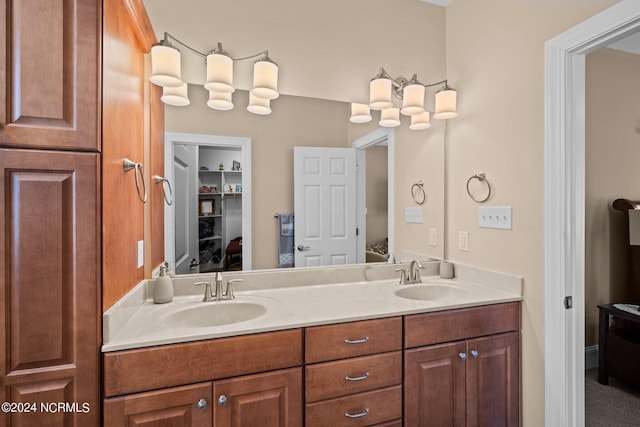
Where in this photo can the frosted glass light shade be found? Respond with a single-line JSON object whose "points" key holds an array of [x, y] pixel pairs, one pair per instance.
{"points": [[412, 99], [259, 105], [380, 94], [420, 121], [177, 96], [165, 66], [360, 113], [445, 104], [265, 79], [220, 100], [219, 73], [390, 117]]}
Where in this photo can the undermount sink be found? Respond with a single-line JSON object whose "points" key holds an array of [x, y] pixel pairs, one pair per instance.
{"points": [[426, 292], [215, 314]]}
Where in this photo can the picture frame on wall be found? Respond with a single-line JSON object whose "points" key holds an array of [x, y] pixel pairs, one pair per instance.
{"points": [[235, 166], [206, 207]]}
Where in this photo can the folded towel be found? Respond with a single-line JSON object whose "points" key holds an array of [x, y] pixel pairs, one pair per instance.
{"points": [[286, 224], [286, 256], [629, 308]]}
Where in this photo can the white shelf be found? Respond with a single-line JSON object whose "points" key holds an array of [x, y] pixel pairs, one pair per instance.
{"points": [[216, 237]]}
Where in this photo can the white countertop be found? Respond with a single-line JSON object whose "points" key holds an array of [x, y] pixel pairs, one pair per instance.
{"points": [[289, 307]]}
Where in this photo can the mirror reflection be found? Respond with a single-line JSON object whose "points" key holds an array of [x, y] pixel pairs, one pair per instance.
{"points": [[266, 182]]}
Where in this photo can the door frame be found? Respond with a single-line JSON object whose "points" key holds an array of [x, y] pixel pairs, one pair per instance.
{"points": [[564, 193], [379, 136], [244, 144]]}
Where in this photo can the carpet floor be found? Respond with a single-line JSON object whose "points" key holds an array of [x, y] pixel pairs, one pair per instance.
{"points": [[613, 405]]}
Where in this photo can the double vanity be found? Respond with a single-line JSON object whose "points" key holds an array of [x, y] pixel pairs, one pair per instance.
{"points": [[316, 347]]}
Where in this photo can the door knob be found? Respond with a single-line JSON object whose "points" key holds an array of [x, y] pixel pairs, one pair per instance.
{"points": [[302, 248]]}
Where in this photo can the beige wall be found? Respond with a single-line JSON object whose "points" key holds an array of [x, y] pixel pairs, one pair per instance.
{"points": [[495, 58], [612, 153], [294, 121], [377, 194], [328, 49]]}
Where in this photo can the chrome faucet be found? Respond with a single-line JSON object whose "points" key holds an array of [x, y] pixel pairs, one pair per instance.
{"points": [[414, 271], [218, 295]]}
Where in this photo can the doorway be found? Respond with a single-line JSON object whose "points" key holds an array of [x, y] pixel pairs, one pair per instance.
{"points": [[180, 252], [564, 206], [381, 137]]}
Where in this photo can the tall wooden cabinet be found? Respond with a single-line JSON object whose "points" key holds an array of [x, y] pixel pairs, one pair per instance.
{"points": [[49, 222]]}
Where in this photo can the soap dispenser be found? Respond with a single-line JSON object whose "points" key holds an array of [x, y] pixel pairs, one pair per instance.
{"points": [[163, 287]]}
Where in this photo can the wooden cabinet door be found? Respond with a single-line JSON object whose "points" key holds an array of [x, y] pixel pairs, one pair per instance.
{"points": [[49, 74], [272, 399], [434, 386], [493, 384], [187, 406], [49, 302]]}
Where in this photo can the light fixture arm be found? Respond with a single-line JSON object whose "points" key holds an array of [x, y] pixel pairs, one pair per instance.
{"points": [[400, 83], [260, 55]]}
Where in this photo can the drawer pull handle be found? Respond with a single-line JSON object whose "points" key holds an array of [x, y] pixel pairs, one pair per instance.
{"points": [[363, 377], [362, 341], [360, 415]]}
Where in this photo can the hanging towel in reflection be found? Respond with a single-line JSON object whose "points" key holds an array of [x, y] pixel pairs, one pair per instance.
{"points": [[285, 240]]}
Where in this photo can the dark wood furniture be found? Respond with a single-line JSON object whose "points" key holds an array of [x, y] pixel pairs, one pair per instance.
{"points": [[619, 345]]}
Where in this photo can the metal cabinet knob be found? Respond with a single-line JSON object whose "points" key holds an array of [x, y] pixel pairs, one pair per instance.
{"points": [[223, 400], [462, 356], [202, 404], [474, 353]]}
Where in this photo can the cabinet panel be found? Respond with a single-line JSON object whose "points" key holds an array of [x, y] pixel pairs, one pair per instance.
{"points": [[49, 306], [333, 379], [434, 386], [267, 400], [453, 325], [493, 384], [49, 87], [131, 371], [344, 340], [360, 409], [188, 406]]}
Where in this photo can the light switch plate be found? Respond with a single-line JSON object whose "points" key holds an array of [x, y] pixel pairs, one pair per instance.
{"points": [[463, 241], [413, 215], [433, 237], [140, 253], [495, 217]]}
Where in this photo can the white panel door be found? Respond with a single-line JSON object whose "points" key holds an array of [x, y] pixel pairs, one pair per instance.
{"points": [[324, 206], [185, 165]]}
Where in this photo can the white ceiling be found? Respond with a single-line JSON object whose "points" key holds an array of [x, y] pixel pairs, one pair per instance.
{"points": [[628, 44]]}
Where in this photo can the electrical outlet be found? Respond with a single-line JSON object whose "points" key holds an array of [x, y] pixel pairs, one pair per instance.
{"points": [[140, 253], [463, 241], [433, 237], [413, 215]]}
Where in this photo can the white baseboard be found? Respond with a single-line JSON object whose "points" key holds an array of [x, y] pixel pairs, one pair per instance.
{"points": [[591, 357]]}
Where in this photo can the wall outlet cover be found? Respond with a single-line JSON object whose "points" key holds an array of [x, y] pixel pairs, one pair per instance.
{"points": [[463, 241], [140, 253]]}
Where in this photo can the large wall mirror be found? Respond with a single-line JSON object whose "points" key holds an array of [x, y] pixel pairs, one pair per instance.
{"points": [[312, 111]]}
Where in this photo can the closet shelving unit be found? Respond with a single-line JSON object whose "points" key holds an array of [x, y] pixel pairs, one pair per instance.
{"points": [[218, 224]]}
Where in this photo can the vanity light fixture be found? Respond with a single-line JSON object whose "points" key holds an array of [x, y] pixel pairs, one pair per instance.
{"points": [[381, 89], [166, 72]]}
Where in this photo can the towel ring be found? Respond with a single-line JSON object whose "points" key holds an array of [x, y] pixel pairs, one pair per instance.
{"points": [[482, 177], [160, 179], [415, 195], [128, 165]]}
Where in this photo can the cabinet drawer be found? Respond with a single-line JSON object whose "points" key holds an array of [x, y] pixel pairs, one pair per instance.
{"points": [[366, 408], [344, 340], [453, 325], [339, 378]]}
